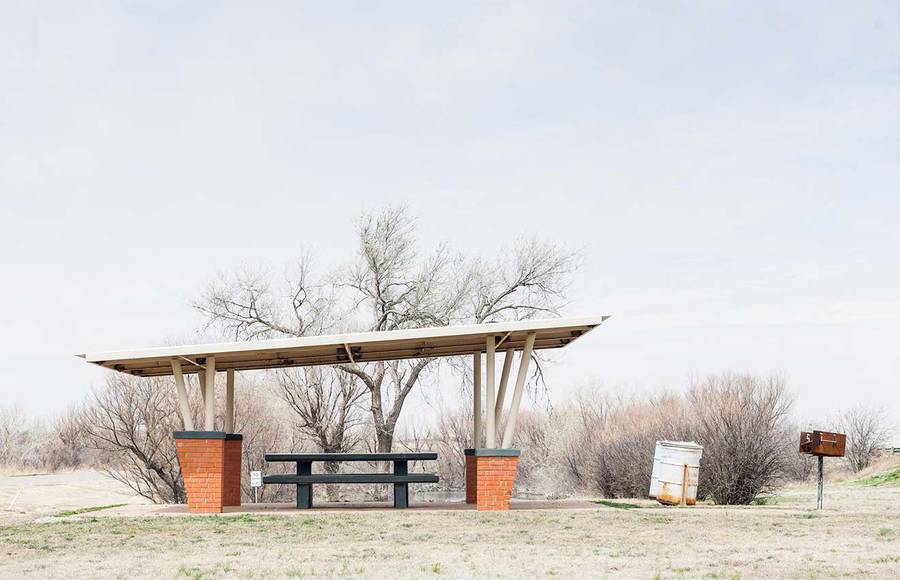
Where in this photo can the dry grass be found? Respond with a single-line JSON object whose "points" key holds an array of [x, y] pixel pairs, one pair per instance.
{"points": [[857, 535]]}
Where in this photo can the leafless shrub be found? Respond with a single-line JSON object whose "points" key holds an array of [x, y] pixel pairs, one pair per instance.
{"points": [[868, 429], [26, 442], [129, 423], [452, 436], [64, 448], [609, 442], [265, 430], [534, 435], [623, 458], [798, 466], [742, 422], [15, 440], [586, 417]]}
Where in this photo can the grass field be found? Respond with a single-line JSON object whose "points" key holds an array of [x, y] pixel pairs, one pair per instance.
{"points": [[857, 535]]}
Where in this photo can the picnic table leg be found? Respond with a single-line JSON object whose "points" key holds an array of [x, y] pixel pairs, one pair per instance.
{"points": [[304, 490], [401, 490]]}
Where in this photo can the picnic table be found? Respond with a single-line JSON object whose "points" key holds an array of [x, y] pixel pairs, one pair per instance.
{"points": [[305, 479]]}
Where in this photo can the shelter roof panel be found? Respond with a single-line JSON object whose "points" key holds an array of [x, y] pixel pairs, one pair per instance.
{"points": [[347, 348]]}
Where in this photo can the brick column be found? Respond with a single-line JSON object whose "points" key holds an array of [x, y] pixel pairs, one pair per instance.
{"points": [[233, 447], [210, 464], [490, 476]]}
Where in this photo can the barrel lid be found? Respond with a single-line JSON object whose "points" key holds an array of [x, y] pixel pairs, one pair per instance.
{"points": [[680, 444]]}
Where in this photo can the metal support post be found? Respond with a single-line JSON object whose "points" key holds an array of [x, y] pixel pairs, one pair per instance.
{"points": [[501, 390], [476, 391], [229, 401], [820, 492], [183, 404], [490, 395], [517, 393], [210, 404]]}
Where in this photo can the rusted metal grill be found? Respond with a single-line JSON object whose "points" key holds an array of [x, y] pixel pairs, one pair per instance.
{"points": [[823, 443]]}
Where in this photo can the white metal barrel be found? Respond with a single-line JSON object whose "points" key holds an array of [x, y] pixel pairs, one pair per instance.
{"points": [[654, 476], [676, 472]]}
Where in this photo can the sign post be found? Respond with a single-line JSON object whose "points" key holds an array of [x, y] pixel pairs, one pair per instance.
{"points": [[255, 483], [822, 444]]}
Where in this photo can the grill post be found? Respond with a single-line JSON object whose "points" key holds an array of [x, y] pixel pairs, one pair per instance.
{"points": [[820, 492]]}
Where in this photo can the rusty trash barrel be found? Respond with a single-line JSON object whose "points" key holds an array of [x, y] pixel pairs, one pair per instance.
{"points": [[676, 472]]}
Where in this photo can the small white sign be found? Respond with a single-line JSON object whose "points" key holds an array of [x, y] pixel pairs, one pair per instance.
{"points": [[256, 479]]}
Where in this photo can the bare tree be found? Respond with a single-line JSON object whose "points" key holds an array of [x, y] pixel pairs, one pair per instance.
{"points": [[324, 406], [867, 429], [248, 305], [391, 286], [129, 422]]}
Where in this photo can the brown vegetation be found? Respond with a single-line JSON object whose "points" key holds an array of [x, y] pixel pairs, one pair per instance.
{"points": [[596, 444]]}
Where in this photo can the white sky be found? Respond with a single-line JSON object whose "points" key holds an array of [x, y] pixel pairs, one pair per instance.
{"points": [[733, 173]]}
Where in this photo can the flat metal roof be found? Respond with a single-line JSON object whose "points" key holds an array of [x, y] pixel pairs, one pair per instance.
{"points": [[345, 348]]}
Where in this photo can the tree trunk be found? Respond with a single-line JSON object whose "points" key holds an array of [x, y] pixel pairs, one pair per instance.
{"points": [[384, 441]]}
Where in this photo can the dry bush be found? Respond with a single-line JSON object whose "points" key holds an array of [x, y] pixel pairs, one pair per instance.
{"points": [[64, 448], [533, 435], [624, 453], [18, 439], [742, 421], [451, 436], [584, 419], [605, 445], [29, 443], [609, 445], [129, 424], [868, 429], [266, 430], [797, 466]]}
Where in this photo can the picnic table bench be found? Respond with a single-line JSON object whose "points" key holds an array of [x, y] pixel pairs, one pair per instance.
{"points": [[304, 479]]}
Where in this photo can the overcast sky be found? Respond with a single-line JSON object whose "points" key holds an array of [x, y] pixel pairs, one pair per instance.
{"points": [[732, 172]]}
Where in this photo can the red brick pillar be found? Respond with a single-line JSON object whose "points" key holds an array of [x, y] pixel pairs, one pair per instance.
{"points": [[233, 469], [493, 475], [211, 469]]}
